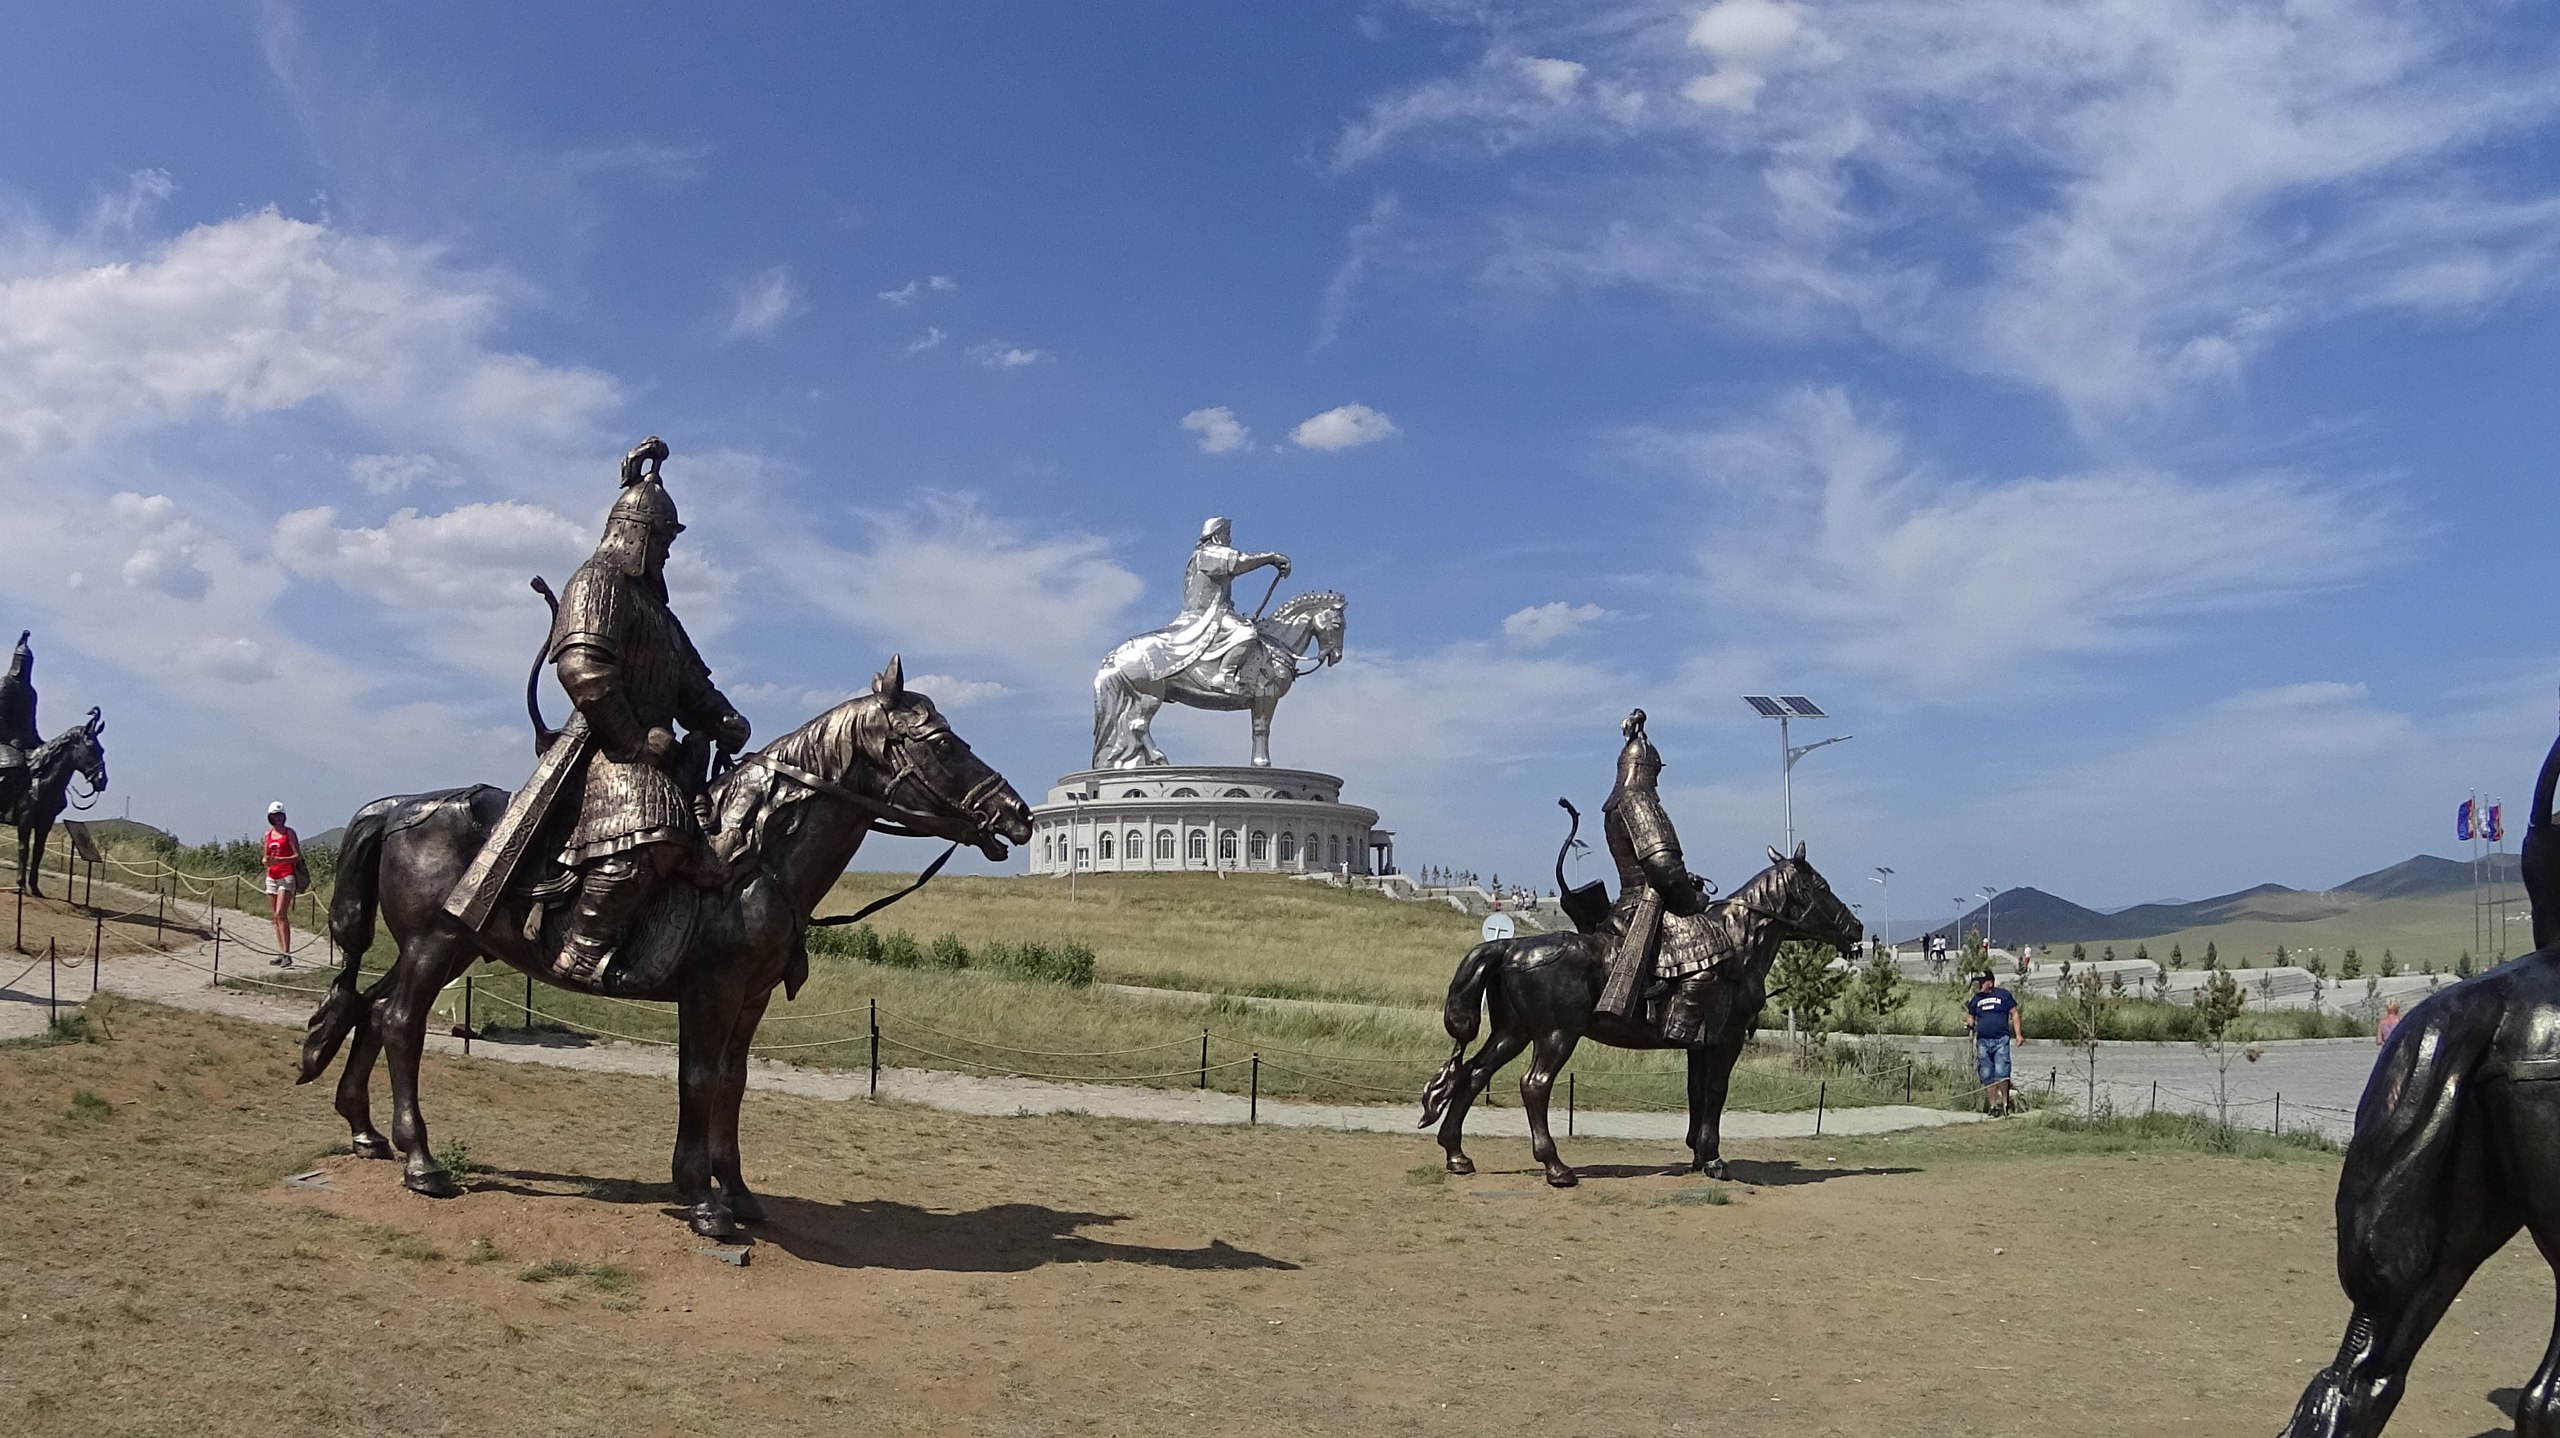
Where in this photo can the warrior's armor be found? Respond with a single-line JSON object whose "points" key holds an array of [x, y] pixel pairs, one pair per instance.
{"points": [[18, 699], [1209, 627], [1659, 900], [633, 673]]}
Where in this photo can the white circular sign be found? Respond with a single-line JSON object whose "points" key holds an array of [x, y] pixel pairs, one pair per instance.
{"points": [[1499, 926]]}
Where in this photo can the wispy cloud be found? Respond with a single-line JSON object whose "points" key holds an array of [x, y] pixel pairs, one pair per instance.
{"points": [[913, 290], [1818, 515], [1219, 430], [998, 354], [1546, 623], [763, 302], [2118, 203], [931, 339], [1343, 427]]}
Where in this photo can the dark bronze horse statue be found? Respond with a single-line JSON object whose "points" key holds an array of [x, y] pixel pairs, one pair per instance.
{"points": [[2457, 1146], [34, 792], [1544, 990], [789, 818]]}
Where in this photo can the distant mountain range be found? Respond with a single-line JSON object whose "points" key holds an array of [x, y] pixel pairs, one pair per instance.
{"points": [[2032, 916]]}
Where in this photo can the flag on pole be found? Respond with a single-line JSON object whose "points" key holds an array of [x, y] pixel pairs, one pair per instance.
{"points": [[2497, 824], [2462, 822]]}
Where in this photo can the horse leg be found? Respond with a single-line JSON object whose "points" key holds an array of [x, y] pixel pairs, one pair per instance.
{"points": [[724, 1113], [400, 1018], [31, 858], [705, 1018], [1710, 1075], [1142, 723], [355, 1090], [1262, 708], [1500, 1048], [1555, 1048], [2401, 1291]]}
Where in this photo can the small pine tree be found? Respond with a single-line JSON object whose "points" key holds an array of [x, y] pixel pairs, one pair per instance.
{"points": [[2079, 954], [2177, 956], [2107, 955], [2349, 966], [2212, 957], [2390, 965], [2218, 1006], [2280, 956], [2462, 966], [2142, 953]]}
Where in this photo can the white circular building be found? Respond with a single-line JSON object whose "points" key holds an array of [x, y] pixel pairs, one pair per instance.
{"points": [[1178, 818]]}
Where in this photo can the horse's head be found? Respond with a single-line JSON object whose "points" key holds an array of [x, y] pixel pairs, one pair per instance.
{"points": [[80, 750], [1316, 616], [934, 782], [1808, 909]]}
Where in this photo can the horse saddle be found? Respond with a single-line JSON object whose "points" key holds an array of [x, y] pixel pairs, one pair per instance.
{"points": [[651, 951]]}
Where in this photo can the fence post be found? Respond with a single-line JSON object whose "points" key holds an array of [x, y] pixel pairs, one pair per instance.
{"points": [[1204, 1059], [2279, 1112], [97, 945], [2155, 1095], [466, 1013], [528, 1003], [52, 1004], [1821, 1097], [217, 952], [1253, 1104], [2052, 1081], [875, 1048], [1907, 1076], [20, 942], [1568, 1105], [159, 913]]}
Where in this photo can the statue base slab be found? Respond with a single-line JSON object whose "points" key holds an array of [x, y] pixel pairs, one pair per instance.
{"points": [[1204, 818]]}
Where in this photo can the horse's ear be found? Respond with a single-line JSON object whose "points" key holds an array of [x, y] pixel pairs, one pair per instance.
{"points": [[97, 723], [891, 683], [1774, 856], [1799, 851]]}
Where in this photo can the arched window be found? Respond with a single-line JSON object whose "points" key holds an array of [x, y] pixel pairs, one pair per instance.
{"points": [[1137, 845], [1226, 846], [1236, 794], [1332, 850], [1134, 794], [1258, 848], [1164, 843], [1102, 845], [1197, 850], [1186, 793], [1288, 847]]}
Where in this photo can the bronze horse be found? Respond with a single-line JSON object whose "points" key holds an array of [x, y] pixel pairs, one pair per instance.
{"points": [[789, 817], [1544, 990], [34, 792], [2456, 1146]]}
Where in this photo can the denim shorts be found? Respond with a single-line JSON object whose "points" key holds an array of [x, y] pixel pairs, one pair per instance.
{"points": [[1991, 1058]]}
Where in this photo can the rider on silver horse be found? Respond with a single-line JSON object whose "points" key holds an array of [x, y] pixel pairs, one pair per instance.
{"points": [[1209, 626]]}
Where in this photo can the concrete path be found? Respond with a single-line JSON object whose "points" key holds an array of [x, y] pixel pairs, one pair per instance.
{"points": [[183, 979]]}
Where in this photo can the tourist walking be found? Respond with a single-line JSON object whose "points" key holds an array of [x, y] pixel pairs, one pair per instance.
{"points": [[285, 880], [2390, 1020], [1992, 1014]]}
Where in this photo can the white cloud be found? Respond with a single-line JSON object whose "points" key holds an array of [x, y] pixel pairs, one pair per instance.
{"points": [[384, 474], [1554, 79], [761, 303], [1546, 623], [1343, 427], [909, 292], [953, 695], [931, 339], [2093, 197], [997, 354], [1894, 568], [1219, 430]]}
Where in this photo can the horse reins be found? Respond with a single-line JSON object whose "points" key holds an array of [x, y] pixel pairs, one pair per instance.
{"points": [[880, 810]]}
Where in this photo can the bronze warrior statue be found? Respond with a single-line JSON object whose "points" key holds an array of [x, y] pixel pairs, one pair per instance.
{"points": [[1653, 881]]}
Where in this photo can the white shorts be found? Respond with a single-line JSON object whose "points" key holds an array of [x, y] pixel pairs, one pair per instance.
{"points": [[280, 886]]}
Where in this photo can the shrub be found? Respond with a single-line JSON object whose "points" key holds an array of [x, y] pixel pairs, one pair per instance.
{"points": [[1068, 963], [899, 950], [947, 952]]}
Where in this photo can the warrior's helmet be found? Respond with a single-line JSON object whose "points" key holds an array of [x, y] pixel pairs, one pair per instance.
{"points": [[22, 660], [642, 509], [1215, 531], [1638, 761]]}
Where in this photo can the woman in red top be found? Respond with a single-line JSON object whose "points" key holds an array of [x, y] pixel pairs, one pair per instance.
{"points": [[284, 868]]}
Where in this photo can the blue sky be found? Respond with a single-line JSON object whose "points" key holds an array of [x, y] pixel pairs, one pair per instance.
{"points": [[2126, 418]]}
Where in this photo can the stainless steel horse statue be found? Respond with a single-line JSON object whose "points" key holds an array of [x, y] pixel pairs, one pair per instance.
{"points": [[1211, 656]]}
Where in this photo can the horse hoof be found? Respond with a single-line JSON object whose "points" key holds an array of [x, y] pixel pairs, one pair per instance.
{"points": [[711, 1220], [1461, 1165], [1713, 1168], [370, 1145], [432, 1183], [746, 1206], [1562, 1177]]}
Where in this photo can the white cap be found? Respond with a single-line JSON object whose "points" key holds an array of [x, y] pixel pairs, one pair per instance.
{"points": [[276, 808]]}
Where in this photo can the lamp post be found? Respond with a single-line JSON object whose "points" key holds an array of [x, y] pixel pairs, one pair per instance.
{"points": [[1075, 826], [1884, 876], [1988, 894], [1785, 707]]}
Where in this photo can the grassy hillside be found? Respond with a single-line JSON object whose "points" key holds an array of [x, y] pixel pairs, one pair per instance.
{"points": [[2429, 932], [1243, 935]]}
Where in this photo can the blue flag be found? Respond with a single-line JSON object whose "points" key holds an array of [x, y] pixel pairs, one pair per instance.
{"points": [[2462, 822], [2497, 833]]}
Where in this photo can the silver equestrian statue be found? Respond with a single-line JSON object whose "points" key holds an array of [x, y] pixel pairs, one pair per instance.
{"points": [[1212, 657]]}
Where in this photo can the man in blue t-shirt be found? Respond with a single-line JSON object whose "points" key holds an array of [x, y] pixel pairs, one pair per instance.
{"points": [[1992, 1014]]}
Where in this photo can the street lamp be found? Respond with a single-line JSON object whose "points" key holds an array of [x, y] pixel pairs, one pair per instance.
{"points": [[1988, 894], [1784, 707], [1075, 823], [1884, 876]]}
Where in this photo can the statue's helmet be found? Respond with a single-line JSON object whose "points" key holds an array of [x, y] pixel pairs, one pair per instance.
{"points": [[1217, 531], [643, 509], [22, 660], [1638, 760]]}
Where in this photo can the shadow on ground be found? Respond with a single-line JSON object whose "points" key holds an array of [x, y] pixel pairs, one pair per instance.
{"points": [[1782, 1173], [878, 1233]]}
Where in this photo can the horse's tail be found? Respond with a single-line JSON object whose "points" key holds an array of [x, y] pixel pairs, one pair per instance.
{"points": [[1458, 1014], [2410, 1139], [351, 914]]}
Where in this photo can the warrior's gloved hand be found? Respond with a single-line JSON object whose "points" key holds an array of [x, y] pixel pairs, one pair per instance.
{"points": [[658, 744], [733, 731]]}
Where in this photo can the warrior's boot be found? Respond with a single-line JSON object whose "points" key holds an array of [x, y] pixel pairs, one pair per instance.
{"points": [[610, 894], [1684, 1018]]}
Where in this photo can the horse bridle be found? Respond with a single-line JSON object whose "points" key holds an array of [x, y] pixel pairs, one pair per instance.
{"points": [[887, 817]]}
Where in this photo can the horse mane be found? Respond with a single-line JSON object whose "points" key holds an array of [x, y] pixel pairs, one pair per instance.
{"points": [[749, 795], [1302, 606]]}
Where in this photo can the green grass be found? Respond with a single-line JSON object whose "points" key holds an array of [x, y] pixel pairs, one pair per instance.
{"points": [[1936, 1008], [2193, 1133]]}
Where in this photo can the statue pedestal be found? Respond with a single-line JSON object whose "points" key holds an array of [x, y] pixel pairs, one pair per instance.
{"points": [[1200, 818]]}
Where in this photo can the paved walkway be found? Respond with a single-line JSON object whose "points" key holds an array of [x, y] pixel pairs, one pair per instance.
{"points": [[183, 979]]}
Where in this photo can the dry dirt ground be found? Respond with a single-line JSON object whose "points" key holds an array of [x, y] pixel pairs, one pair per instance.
{"points": [[935, 1273]]}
